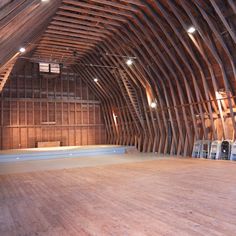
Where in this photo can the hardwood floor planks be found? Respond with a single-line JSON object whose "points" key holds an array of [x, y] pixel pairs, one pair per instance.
{"points": [[160, 197]]}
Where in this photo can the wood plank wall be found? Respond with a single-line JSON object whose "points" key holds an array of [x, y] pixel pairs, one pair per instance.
{"points": [[36, 107]]}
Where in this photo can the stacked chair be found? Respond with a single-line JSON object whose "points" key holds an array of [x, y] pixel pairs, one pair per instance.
{"points": [[215, 150]]}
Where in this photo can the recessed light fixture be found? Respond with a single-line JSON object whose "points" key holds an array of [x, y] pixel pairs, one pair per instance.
{"points": [[95, 80], [153, 105], [22, 50], [191, 30], [129, 62]]}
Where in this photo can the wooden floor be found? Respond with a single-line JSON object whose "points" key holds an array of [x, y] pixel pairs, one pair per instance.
{"points": [[160, 197]]}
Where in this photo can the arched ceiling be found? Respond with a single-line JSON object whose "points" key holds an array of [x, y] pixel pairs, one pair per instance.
{"points": [[22, 23], [190, 76]]}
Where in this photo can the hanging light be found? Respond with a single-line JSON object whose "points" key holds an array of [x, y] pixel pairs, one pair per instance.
{"points": [[191, 30]]}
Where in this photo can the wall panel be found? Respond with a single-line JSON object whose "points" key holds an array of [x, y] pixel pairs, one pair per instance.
{"points": [[36, 107]]}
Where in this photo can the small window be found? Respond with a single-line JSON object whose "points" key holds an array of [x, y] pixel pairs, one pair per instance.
{"points": [[55, 68], [49, 68], [44, 67]]}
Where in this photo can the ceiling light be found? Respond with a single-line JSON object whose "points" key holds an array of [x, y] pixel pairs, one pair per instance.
{"points": [[22, 50], [44, 0], [129, 62], [191, 30], [153, 105], [95, 80]]}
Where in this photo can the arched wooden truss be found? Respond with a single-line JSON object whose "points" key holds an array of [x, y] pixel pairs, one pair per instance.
{"points": [[190, 77]]}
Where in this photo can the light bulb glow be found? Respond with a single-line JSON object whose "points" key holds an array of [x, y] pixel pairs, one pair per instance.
{"points": [[95, 80], [191, 30], [153, 105], [22, 50], [129, 62]]}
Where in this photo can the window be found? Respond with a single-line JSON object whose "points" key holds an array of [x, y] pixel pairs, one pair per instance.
{"points": [[44, 67], [55, 68], [49, 68]]}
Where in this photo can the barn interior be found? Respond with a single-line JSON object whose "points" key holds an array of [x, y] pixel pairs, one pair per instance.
{"points": [[117, 117]]}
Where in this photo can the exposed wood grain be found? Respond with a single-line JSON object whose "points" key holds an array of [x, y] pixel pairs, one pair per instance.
{"points": [[36, 108], [162, 197], [190, 76]]}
